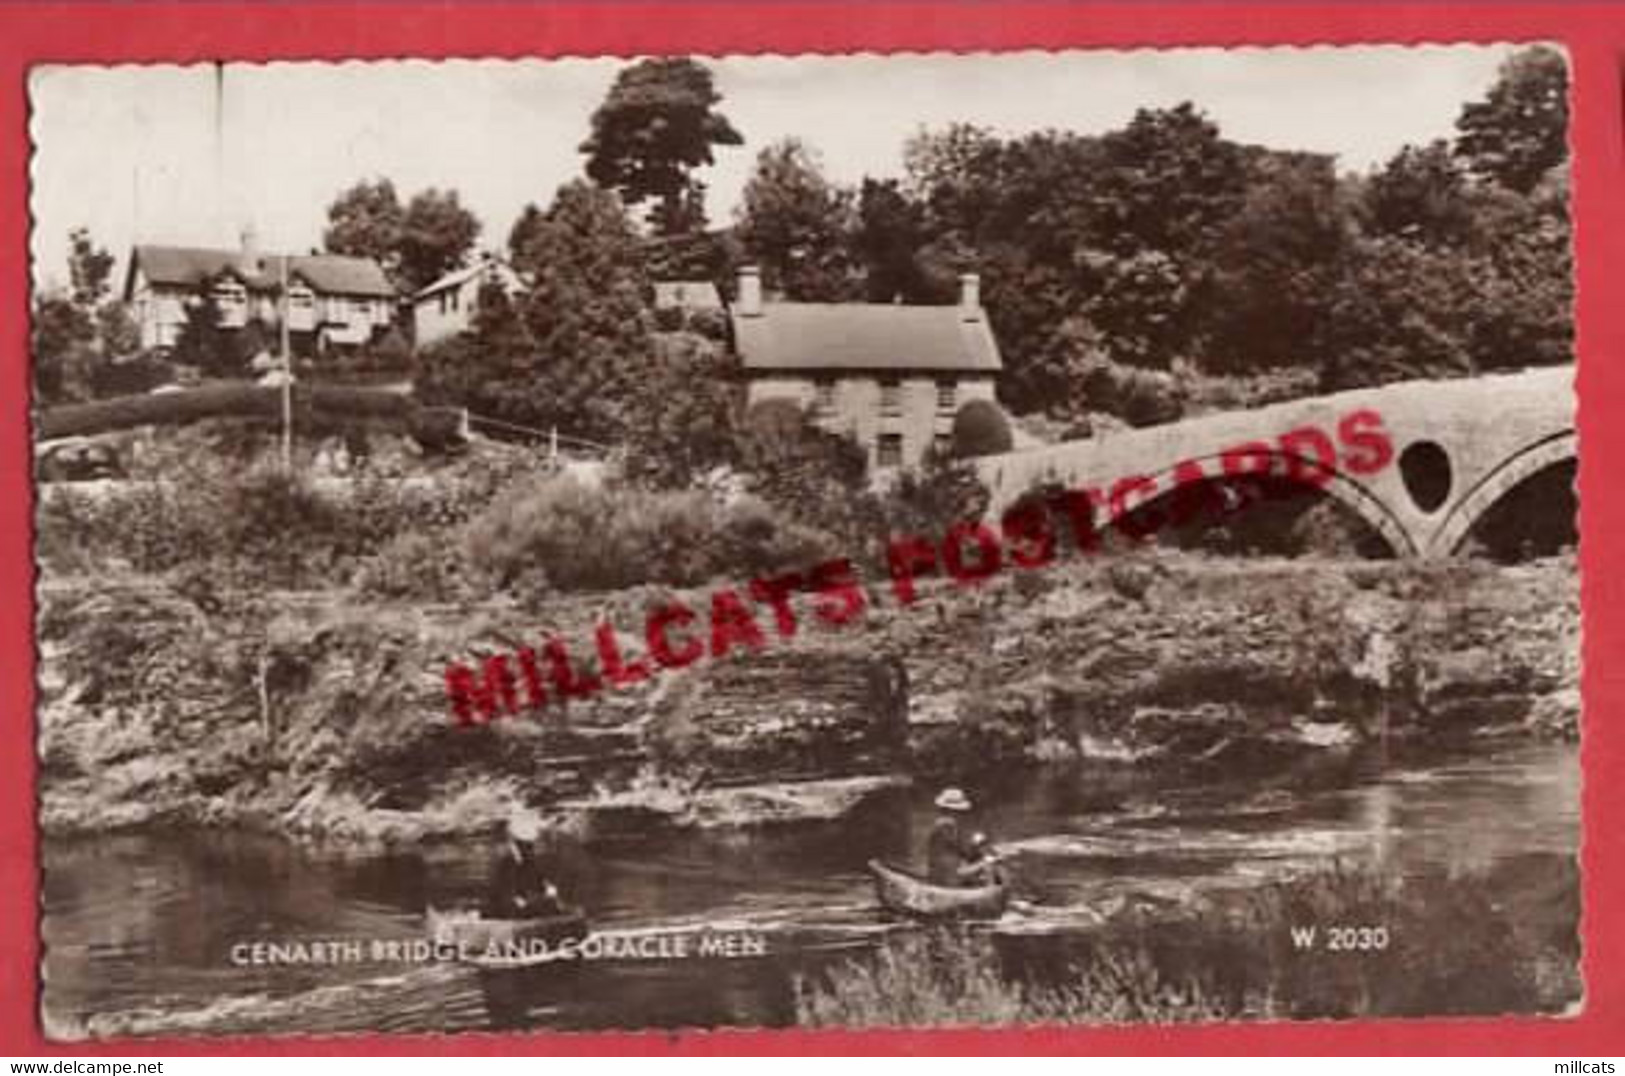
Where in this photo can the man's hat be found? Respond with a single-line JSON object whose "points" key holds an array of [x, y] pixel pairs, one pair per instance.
{"points": [[952, 799]]}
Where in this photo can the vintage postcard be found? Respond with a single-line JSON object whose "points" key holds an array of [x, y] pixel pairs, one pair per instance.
{"points": [[1081, 537]]}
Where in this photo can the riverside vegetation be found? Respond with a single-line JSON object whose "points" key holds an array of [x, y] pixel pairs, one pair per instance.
{"points": [[234, 645], [1459, 947]]}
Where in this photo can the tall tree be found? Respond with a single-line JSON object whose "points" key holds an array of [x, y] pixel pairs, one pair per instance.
{"points": [[657, 125], [1421, 194], [954, 174], [1520, 130], [1275, 265], [577, 348], [436, 234], [524, 229], [797, 224], [1170, 181], [416, 244], [76, 333], [889, 239], [90, 268], [365, 222]]}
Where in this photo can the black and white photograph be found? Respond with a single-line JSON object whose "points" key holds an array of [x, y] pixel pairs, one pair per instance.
{"points": [[905, 540]]}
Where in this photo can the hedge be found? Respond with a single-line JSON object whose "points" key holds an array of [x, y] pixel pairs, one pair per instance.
{"points": [[329, 403]]}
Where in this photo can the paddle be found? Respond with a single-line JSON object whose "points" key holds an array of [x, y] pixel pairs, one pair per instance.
{"points": [[1005, 871]]}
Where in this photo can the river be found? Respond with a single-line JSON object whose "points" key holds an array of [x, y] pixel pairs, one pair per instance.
{"points": [[140, 927]]}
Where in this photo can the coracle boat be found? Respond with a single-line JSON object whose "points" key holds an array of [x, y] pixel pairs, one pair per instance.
{"points": [[473, 932], [901, 891]]}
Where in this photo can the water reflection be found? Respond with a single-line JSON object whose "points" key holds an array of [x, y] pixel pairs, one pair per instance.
{"points": [[138, 927]]}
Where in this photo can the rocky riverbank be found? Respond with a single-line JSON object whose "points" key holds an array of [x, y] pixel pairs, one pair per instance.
{"points": [[319, 714]]}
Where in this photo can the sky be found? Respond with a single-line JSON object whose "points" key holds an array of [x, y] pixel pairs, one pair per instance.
{"points": [[155, 154]]}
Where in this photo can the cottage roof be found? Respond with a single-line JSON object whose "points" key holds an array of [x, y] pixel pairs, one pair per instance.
{"points": [[865, 336], [335, 274], [458, 277], [687, 295]]}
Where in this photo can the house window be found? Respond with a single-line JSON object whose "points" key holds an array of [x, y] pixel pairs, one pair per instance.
{"points": [[943, 443], [889, 450], [231, 298], [891, 396], [824, 394], [947, 394], [301, 298]]}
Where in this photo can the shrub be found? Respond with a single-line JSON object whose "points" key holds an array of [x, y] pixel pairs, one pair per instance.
{"points": [[581, 537], [1139, 397], [757, 540], [981, 429], [711, 324], [931, 498], [415, 564], [243, 524], [332, 405], [132, 377], [818, 478]]}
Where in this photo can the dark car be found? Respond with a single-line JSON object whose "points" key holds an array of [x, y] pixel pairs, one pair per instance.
{"points": [[76, 459]]}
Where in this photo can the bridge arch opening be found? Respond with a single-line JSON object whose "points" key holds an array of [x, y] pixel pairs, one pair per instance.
{"points": [[1536, 516], [1424, 468]]}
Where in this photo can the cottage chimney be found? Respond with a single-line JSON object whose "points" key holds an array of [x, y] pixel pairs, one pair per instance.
{"points": [[970, 297], [750, 292], [251, 248]]}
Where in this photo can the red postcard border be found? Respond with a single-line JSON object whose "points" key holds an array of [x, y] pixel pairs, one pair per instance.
{"points": [[178, 32]]}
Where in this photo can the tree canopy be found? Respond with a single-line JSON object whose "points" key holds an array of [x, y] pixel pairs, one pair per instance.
{"points": [[573, 352], [1520, 130], [657, 125], [797, 225], [416, 244], [76, 334]]}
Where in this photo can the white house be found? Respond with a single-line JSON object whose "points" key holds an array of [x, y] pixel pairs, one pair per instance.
{"points": [[333, 300], [890, 376], [446, 307]]}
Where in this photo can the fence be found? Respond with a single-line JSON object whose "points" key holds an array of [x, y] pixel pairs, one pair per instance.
{"points": [[325, 405]]}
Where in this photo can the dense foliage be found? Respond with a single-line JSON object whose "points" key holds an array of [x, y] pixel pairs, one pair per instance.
{"points": [[416, 243], [1164, 245], [656, 126], [795, 224], [573, 351], [78, 335]]}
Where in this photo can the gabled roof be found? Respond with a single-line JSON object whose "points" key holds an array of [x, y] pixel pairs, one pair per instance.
{"points": [[187, 266], [458, 277], [865, 336], [335, 274]]}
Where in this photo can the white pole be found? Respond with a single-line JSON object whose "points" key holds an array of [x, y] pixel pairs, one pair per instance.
{"points": [[287, 373], [553, 443]]}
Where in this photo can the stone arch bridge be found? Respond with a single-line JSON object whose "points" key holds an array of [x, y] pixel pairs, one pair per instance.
{"points": [[1420, 461]]}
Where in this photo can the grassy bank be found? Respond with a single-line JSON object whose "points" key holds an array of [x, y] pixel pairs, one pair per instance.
{"points": [[1483, 944]]}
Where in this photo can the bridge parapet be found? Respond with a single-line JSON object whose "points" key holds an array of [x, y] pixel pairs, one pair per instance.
{"points": [[1481, 436]]}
